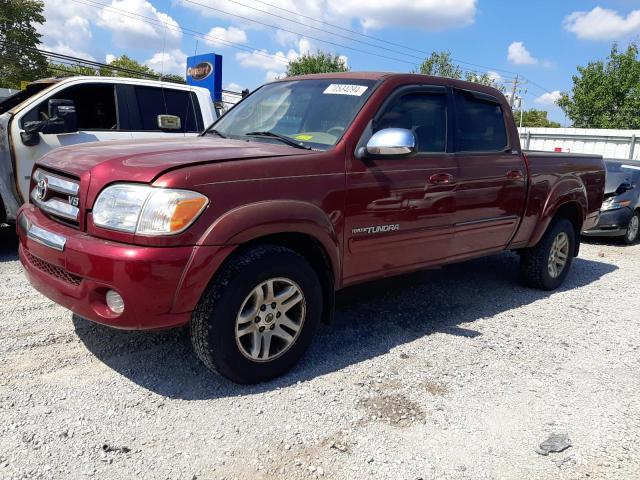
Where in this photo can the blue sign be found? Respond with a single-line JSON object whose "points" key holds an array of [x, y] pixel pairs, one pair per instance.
{"points": [[206, 71]]}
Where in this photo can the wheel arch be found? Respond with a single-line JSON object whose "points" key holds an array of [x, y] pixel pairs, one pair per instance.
{"points": [[571, 206], [299, 226]]}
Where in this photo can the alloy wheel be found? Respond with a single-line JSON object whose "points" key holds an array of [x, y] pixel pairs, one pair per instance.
{"points": [[270, 319], [559, 255]]}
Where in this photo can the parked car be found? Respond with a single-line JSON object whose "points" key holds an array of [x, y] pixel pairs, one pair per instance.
{"points": [[620, 211], [308, 185], [65, 111]]}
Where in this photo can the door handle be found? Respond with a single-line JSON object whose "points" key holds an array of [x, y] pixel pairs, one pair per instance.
{"points": [[439, 178], [515, 174]]}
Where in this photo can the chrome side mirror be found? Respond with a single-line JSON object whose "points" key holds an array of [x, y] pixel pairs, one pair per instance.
{"points": [[391, 142]]}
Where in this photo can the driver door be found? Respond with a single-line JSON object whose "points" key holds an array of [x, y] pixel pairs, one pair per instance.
{"points": [[97, 121], [400, 211]]}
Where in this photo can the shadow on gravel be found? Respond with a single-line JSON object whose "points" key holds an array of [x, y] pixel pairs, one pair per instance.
{"points": [[370, 320], [8, 244]]}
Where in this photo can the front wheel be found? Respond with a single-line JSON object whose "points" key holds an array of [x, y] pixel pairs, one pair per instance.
{"points": [[633, 229], [546, 265], [258, 316]]}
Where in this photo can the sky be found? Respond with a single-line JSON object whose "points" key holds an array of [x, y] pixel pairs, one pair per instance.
{"points": [[541, 42]]}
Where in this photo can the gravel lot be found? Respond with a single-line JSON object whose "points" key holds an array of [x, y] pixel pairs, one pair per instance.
{"points": [[456, 373]]}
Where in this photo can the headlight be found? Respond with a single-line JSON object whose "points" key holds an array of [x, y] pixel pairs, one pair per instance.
{"points": [[147, 210], [611, 204]]}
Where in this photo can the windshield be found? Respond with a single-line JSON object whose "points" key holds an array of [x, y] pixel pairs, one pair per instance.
{"points": [[314, 113], [619, 172]]}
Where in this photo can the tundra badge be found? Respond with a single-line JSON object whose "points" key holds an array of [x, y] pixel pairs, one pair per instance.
{"points": [[392, 227]]}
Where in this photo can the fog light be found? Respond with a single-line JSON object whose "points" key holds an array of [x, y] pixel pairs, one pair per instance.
{"points": [[115, 302]]}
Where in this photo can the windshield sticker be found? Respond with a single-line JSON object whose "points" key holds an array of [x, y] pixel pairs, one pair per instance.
{"points": [[303, 137], [344, 89]]}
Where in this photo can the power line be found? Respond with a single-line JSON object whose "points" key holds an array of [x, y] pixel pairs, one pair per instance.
{"points": [[343, 29], [187, 31], [317, 39], [251, 49], [248, 48]]}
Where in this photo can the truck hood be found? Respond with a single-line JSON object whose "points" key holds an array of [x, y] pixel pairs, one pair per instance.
{"points": [[144, 160]]}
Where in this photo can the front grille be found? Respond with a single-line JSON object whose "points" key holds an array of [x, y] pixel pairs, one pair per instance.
{"points": [[53, 270], [57, 196]]}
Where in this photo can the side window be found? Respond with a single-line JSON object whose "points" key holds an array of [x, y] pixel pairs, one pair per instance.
{"points": [[479, 125], [150, 104], [154, 101], [184, 105], [95, 106], [423, 113]]}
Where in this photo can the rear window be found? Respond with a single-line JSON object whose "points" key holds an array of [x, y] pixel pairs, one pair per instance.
{"points": [[154, 101], [479, 124]]}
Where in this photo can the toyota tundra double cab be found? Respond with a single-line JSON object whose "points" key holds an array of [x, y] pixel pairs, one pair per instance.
{"points": [[308, 185]]}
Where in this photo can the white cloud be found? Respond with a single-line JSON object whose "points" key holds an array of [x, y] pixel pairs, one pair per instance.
{"points": [[109, 57], [371, 14], [67, 29], [64, 49], [221, 37], [495, 76], [271, 76], [264, 60], [549, 98], [234, 87], [422, 14], [603, 24], [519, 55], [173, 61], [131, 31], [274, 63]]}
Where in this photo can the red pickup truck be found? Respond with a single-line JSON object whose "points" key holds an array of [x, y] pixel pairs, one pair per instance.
{"points": [[308, 185]]}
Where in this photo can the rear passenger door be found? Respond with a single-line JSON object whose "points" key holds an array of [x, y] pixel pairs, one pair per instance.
{"points": [[491, 190], [145, 103]]}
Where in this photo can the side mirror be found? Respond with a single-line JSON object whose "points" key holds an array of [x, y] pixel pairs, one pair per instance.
{"points": [[62, 117], [390, 143], [624, 187], [169, 122]]}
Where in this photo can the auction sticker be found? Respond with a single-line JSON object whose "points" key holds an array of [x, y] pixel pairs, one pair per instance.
{"points": [[345, 89]]}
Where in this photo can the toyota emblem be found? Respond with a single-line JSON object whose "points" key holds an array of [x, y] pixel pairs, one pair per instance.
{"points": [[42, 189]]}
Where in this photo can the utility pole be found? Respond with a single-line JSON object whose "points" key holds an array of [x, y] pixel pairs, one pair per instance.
{"points": [[512, 99]]}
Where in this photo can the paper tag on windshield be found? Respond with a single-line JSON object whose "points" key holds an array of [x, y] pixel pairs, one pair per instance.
{"points": [[345, 89]]}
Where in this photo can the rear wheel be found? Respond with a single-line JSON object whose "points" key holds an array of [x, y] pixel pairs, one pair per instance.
{"points": [[257, 318], [546, 265], [633, 229]]}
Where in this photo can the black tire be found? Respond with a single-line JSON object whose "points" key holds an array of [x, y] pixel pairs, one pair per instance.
{"points": [[213, 324], [629, 237], [534, 261]]}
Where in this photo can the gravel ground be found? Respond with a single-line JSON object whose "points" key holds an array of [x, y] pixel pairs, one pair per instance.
{"points": [[456, 373]]}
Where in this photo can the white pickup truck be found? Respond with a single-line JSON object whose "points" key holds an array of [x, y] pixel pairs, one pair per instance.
{"points": [[58, 112]]}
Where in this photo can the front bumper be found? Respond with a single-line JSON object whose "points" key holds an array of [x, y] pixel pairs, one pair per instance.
{"points": [[160, 286], [612, 223]]}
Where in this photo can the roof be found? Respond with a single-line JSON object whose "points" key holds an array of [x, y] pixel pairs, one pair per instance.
{"points": [[144, 81], [417, 77]]}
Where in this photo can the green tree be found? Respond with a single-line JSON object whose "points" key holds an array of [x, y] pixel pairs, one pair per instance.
{"points": [[606, 93], [64, 70], [131, 65], [319, 62], [127, 63], [18, 39], [441, 64], [535, 118]]}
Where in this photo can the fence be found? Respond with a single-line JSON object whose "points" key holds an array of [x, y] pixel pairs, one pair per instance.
{"points": [[622, 144]]}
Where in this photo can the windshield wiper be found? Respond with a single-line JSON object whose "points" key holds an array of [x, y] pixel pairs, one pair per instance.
{"points": [[282, 138], [213, 130]]}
